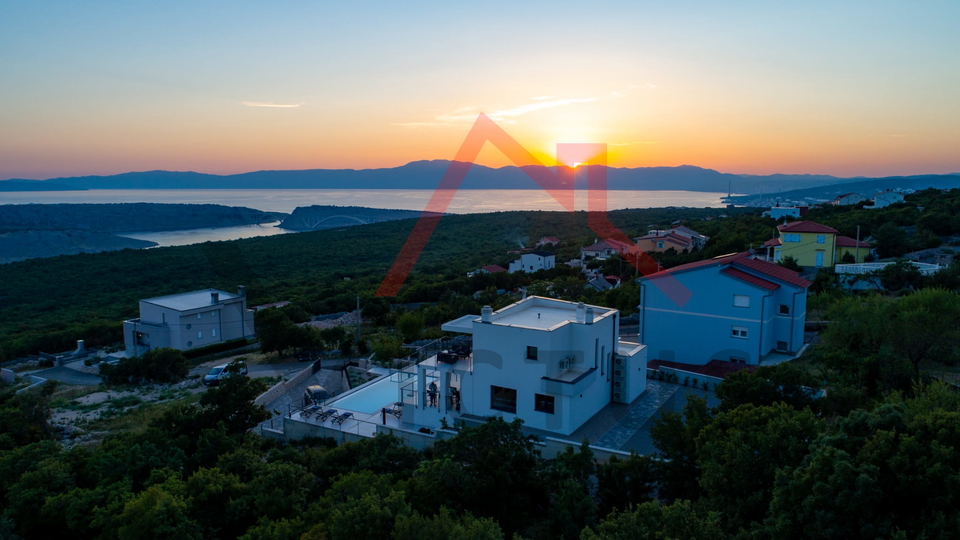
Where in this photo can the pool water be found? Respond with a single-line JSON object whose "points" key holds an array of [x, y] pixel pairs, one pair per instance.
{"points": [[373, 396]]}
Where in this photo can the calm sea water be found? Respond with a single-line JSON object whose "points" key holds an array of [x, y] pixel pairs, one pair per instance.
{"points": [[286, 200]]}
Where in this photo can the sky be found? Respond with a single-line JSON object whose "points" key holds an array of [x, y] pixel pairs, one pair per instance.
{"points": [[751, 87]]}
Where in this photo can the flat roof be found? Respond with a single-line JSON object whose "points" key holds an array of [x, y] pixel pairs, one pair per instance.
{"points": [[190, 300], [543, 313], [463, 324]]}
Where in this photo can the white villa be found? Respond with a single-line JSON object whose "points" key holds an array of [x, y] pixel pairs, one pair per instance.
{"points": [[189, 320], [554, 364], [533, 262], [885, 199]]}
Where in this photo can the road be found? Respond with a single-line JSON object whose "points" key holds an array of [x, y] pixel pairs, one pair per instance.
{"points": [[68, 376]]}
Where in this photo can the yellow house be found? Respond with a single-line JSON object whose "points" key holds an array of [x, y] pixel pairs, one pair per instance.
{"points": [[857, 249], [813, 245]]}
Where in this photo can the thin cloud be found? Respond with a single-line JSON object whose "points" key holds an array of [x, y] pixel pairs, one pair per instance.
{"points": [[632, 143], [270, 104], [469, 114], [541, 98]]}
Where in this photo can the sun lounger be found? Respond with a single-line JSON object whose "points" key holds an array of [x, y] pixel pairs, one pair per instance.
{"points": [[308, 412], [323, 415], [340, 418], [396, 409]]}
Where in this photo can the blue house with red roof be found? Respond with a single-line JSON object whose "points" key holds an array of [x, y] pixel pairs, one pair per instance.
{"points": [[739, 310]]}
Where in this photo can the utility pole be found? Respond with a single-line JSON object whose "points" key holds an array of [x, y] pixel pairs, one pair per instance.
{"points": [[359, 320], [856, 257]]}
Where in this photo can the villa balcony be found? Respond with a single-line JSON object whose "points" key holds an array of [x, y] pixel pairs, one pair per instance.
{"points": [[569, 382]]}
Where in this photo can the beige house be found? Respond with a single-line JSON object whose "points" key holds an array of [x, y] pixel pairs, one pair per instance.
{"points": [[188, 321]]}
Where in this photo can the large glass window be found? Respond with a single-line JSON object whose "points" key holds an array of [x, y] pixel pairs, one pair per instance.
{"points": [[544, 404], [531, 353], [503, 399]]}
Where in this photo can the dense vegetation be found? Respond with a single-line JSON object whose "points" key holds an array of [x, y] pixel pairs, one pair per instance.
{"points": [[876, 457], [47, 304], [855, 441]]}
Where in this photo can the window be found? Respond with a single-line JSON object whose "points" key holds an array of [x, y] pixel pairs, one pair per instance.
{"points": [[189, 326], [738, 332], [189, 344], [784, 309], [741, 300], [821, 239], [776, 254], [659, 245], [213, 332], [199, 335], [738, 360], [791, 237], [543, 403], [782, 345], [819, 261], [531, 353], [503, 399], [199, 315]]}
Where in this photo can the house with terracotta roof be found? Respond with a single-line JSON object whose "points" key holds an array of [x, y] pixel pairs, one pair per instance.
{"points": [[739, 309], [489, 269], [662, 242], [857, 249], [849, 199], [548, 240], [604, 249], [812, 245]]}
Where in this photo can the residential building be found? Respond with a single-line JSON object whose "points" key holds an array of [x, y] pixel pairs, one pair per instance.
{"points": [[886, 198], [857, 249], [812, 245], [661, 241], [188, 321], [533, 262], [739, 310], [604, 249], [779, 212], [697, 239], [844, 245], [548, 241], [849, 199], [489, 269], [552, 363]]}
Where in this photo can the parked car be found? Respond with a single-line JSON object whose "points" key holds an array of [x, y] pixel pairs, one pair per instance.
{"points": [[217, 373]]}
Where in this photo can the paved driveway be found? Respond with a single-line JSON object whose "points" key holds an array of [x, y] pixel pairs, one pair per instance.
{"points": [[68, 376]]}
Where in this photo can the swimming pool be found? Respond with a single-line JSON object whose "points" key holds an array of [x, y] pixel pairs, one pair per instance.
{"points": [[373, 396]]}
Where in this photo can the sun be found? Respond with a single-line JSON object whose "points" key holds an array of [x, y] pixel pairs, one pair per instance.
{"points": [[575, 165]]}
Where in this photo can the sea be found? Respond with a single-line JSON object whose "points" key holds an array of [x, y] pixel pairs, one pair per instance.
{"points": [[465, 201]]}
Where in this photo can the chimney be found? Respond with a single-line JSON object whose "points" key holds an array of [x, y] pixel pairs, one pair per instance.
{"points": [[589, 318], [486, 314], [214, 297], [241, 290], [581, 312]]}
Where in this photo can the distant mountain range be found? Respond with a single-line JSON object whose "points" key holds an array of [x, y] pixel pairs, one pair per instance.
{"points": [[427, 175]]}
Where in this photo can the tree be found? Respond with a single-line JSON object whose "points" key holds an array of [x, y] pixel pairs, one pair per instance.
{"points": [[740, 453], [411, 326], [891, 240], [157, 513], [445, 525], [790, 263], [900, 275], [622, 483], [675, 437], [24, 417], [782, 383], [163, 365], [653, 521]]}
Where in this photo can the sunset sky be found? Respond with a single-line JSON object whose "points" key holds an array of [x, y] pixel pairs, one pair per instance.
{"points": [[863, 88]]}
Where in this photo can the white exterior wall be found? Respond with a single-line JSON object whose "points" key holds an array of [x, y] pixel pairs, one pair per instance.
{"points": [[531, 262], [500, 360], [190, 329]]}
